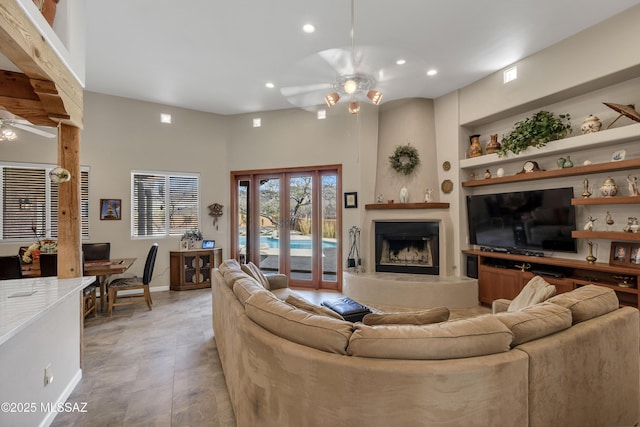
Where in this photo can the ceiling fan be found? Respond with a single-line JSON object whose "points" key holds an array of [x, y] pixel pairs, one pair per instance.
{"points": [[8, 121], [352, 74]]}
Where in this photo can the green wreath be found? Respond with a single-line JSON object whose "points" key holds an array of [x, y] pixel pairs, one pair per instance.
{"points": [[405, 159]]}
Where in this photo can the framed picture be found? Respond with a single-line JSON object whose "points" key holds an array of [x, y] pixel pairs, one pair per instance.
{"points": [[634, 255], [620, 253], [350, 200], [110, 209]]}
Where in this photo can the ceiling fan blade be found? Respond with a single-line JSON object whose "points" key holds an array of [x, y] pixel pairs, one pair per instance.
{"points": [[33, 130], [303, 89]]}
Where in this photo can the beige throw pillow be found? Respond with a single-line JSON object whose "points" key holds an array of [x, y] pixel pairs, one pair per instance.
{"points": [[310, 307], [424, 317], [536, 291], [252, 270]]}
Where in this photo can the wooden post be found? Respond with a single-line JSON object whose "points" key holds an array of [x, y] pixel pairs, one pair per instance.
{"points": [[69, 218]]}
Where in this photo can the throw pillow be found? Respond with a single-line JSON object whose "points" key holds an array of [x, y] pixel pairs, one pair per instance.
{"points": [[228, 264], [424, 317], [536, 291], [252, 270], [310, 307]]}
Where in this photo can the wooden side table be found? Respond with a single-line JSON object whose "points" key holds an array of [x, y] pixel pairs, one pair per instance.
{"points": [[191, 269]]}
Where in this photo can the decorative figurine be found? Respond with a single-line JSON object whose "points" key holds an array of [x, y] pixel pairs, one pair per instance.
{"points": [[633, 185], [427, 195], [591, 259], [609, 188], [379, 198], [500, 172], [609, 219], [589, 225], [404, 195], [487, 174], [586, 193], [591, 124], [632, 225]]}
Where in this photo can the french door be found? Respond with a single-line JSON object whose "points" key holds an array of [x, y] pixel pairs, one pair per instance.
{"points": [[288, 221]]}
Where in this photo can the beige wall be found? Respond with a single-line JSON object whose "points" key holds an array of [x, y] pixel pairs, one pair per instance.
{"points": [[122, 134]]}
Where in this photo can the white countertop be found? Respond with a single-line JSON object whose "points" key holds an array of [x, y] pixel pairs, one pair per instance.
{"points": [[16, 313]]}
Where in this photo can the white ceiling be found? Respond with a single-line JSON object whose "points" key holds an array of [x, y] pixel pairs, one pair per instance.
{"points": [[216, 56]]}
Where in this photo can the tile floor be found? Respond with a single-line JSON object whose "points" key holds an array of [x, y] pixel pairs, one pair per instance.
{"points": [[161, 367], [152, 368]]}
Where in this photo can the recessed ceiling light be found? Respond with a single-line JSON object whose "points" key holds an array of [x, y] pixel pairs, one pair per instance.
{"points": [[270, 85], [401, 61], [432, 72], [308, 28]]}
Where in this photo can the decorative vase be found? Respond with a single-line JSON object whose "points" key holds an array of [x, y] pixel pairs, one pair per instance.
{"points": [[609, 188], [475, 149], [567, 162], [404, 195], [591, 259], [560, 162], [500, 172], [487, 174], [493, 145], [591, 124]]}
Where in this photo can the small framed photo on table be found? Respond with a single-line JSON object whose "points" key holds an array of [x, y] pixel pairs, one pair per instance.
{"points": [[110, 209], [350, 200], [634, 255]]}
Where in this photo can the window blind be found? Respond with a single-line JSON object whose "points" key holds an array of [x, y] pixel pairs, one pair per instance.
{"points": [[164, 204]]}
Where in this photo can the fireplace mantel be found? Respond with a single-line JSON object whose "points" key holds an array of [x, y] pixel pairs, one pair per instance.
{"points": [[432, 205]]}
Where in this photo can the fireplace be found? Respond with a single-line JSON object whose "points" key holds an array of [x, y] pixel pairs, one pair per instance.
{"points": [[407, 247]]}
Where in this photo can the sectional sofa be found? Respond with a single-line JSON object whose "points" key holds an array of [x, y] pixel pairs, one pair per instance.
{"points": [[570, 362]]}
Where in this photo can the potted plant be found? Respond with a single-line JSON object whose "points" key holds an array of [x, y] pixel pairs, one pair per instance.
{"points": [[192, 236], [535, 131]]}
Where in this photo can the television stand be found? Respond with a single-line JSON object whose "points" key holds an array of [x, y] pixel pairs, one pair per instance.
{"points": [[503, 275]]}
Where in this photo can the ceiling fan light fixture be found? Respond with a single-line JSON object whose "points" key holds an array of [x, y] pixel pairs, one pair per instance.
{"points": [[375, 96], [350, 86], [354, 107], [7, 134], [332, 99]]}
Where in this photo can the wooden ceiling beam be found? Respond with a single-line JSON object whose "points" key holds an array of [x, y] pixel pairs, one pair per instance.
{"points": [[17, 94], [27, 49]]}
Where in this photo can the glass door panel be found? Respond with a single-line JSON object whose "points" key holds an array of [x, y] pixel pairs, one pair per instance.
{"points": [[267, 240], [328, 199], [301, 225], [242, 202]]}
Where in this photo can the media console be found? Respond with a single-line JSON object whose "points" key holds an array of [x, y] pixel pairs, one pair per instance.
{"points": [[503, 275]]}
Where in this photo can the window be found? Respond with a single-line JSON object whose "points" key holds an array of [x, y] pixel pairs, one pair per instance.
{"points": [[150, 199], [30, 202]]}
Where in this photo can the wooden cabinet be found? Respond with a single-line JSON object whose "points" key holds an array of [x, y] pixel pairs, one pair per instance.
{"points": [[192, 269], [500, 275]]}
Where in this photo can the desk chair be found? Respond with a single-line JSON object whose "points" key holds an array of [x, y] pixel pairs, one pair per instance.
{"points": [[132, 283], [96, 252], [10, 267], [48, 265]]}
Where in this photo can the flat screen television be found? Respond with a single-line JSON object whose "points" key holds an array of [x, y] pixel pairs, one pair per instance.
{"points": [[536, 220]]}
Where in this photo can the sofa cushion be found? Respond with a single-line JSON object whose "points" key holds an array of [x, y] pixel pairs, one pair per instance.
{"points": [[423, 317], [310, 307], [312, 330], [535, 291], [245, 287], [453, 339], [587, 302], [536, 321], [252, 270], [228, 264], [230, 276]]}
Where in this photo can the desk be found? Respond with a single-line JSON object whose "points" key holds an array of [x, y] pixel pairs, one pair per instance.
{"points": [[102, 269]]}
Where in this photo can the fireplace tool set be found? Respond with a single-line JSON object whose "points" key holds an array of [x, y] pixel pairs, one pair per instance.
{"points": [[353, 260]]}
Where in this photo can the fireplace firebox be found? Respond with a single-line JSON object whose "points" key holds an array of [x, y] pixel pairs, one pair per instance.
{"points": [[407, 247]]}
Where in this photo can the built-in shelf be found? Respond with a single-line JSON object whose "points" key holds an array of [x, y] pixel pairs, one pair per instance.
{"points": [[623, 200], [432, 205], [558, 173], [610, 235], [566, 145]]}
